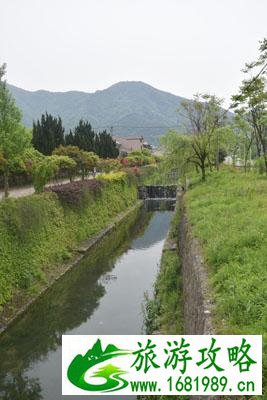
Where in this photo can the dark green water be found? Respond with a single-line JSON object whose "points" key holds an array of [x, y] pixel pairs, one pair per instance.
{"points": [[102, 295]]}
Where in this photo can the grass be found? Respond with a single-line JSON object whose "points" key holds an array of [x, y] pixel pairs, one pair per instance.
{"points": [[229, 214], [163, 313]]}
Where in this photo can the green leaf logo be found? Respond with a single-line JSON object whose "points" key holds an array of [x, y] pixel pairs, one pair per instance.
{"points": [[112, 374]]}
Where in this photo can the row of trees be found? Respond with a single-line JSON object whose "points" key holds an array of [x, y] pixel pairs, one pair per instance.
{"points": [[48, 134], [14, 137], [212, 132], [66, 161], [47, 154], [86, 139], [251, 103], [18, 155]]}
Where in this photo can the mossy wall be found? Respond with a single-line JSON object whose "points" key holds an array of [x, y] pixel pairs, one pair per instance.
{"points": [[38, 232]]}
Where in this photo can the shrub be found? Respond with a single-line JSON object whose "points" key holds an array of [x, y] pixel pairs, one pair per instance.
{"points": [[109, 165], [119, 176], [138, 158], [75, 193]]}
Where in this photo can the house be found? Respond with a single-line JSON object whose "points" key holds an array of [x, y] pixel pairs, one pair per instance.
{"points": [[128, 144]]}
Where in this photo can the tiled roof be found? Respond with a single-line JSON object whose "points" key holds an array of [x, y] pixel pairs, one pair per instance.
{"points": [[129, 144]]}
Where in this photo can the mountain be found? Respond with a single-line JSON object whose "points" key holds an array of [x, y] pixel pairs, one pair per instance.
{"points": [[131, 108]]}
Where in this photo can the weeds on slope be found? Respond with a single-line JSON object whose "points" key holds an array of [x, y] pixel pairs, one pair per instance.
{"points": [[229, 215]]}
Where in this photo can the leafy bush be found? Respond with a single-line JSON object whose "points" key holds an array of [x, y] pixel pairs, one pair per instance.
{"points": [[109, 165], [75, 193], [138, 159], [119, 176]]}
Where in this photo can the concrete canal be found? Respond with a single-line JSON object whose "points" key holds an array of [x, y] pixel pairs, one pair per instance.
{"points": [[102, 295]]}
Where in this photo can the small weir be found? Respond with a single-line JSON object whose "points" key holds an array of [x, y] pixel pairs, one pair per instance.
{"points": [[157, 192], [102, 295]]}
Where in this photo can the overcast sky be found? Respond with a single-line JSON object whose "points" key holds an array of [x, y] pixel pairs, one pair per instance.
{"points": [[181, 46]]}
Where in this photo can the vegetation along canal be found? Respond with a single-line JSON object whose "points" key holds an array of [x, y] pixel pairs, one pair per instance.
{"points": [[102, 295]]}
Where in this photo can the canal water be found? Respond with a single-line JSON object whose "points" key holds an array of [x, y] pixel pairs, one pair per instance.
{"points": [[102, 295]]}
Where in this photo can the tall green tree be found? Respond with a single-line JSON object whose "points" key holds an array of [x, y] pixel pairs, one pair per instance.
{"points": [[177, 150], [205, 117], [83, 136], [251, 100], [239, 140], [69, 139], [14, 137], [86, 139], [47, 134], [105, 146]]}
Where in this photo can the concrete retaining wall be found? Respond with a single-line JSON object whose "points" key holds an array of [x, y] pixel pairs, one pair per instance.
{"points": [[196, 294], [197, 302]]}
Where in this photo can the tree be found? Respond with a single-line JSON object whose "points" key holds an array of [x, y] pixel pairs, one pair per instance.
{"points": [[14, 137], [30, 157], [69, 139], [205, 116], [65, 165], [83, 137], [47, 168], [85, 161], [105, 146], [89, 162], [74, 153], [239, 139], [47, 134], [86, 139], [177, 150], [251, 101], [252, 107]]}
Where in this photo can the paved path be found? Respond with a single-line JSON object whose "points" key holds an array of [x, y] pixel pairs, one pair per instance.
{"points": [[27, 190]]}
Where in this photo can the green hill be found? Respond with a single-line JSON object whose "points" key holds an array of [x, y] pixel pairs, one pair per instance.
{"points": [[131, 108]]}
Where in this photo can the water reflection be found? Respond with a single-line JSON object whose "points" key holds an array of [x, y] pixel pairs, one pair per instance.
{"points": [[18, 387], [101, 295]]}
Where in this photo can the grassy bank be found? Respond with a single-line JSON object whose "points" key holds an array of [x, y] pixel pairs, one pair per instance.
{"points": [[163, 313], [39, 232], [168, 288], [229, 214], [65, 306]]}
